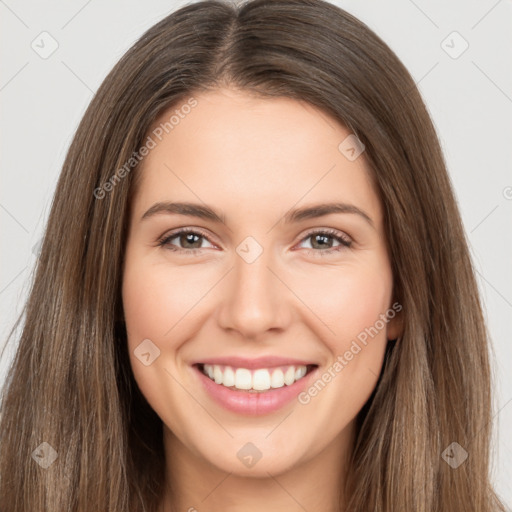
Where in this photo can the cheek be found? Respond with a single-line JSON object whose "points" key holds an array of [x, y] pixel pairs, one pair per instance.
{"points": [[157, 302], [148, 303], [152, 305], [351, 306], [365, 297], [348, 300], [155, 305]]}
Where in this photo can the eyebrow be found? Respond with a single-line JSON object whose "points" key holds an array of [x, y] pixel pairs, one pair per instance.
{"points": [[208, 213]]}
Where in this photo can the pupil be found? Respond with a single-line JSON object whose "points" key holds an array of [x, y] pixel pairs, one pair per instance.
{"points": [[189, 238], [324, 237]]}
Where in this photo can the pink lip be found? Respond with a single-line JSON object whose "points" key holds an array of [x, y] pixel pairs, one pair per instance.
{"points": [[251, 364], [253, 404]]}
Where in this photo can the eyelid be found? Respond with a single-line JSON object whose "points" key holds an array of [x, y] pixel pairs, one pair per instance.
{"points": [[335, 233]]}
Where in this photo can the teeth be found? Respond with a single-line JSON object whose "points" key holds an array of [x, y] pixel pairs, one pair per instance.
{"points": [[228, 379], [217, 375], [300, 372], [289, 376], [261, 379], [277, 380], [243, 379]]}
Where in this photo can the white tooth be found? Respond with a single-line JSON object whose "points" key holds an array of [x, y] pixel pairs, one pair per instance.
{"points": [[243, 378], [300, 372], [289, 376], [208, 368], [261, 380], [217, 374], [277, 380], [229, 377]]}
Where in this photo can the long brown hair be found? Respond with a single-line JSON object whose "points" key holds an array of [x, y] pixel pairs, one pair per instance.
{"points": [[71, 384]]}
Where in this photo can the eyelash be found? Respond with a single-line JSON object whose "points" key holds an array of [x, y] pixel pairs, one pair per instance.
{"points": [[344, 241]]}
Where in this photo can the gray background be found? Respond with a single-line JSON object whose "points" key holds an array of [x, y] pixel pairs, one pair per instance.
{"points": [[469, 95]]}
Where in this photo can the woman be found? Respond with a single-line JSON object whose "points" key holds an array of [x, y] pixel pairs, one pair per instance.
{"points": [[252, 372]]}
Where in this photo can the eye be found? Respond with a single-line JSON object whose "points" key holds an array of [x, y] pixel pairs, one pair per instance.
{"points": [[188, 237], [320, 240], [192, 237]]}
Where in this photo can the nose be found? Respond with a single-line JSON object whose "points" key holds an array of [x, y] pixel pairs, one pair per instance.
{"points": [[256, 298]]}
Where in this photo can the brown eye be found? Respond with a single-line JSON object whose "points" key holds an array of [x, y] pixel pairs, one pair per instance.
{"points": [[321, 241], [189, 239]]}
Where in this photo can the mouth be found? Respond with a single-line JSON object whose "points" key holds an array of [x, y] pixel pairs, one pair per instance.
{"points": [[255, 380], [254, 386]]}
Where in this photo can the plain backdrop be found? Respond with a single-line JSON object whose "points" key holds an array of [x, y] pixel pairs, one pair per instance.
{"points": [[55, 54]]}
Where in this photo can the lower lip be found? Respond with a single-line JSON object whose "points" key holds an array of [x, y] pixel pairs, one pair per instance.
{"points": [[254, 404]]}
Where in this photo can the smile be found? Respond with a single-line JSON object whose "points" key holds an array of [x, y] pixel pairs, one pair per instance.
{"points": [[266, 387], [256, 380]]}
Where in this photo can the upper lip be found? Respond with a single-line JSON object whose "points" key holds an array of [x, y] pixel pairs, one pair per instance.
{"points": [[259, 362]]}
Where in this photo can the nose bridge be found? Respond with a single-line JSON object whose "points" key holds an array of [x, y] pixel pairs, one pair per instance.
{"points": [[256, 302]]}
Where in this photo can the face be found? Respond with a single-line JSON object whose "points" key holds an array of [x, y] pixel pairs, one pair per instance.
{"points": [[288, 312]]}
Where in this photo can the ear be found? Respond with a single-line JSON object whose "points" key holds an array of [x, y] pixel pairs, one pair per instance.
{"points": [[395, 325]]}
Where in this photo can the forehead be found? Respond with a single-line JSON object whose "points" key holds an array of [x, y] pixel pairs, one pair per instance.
{"points": [[236, 150]]}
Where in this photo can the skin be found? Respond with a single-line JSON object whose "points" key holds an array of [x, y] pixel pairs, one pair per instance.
{"points": [[253, 160]]}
